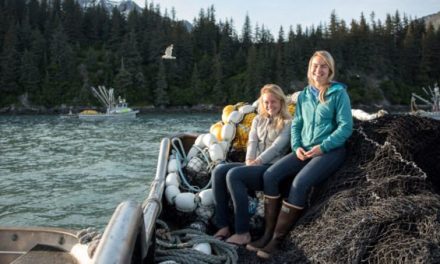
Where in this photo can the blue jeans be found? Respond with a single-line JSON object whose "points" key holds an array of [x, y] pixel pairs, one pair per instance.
{"points": [[235, 178], [305, 174]]}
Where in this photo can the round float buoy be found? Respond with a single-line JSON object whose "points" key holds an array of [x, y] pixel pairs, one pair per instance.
{"points": [[192, 152], [170, 193], [206, 197], [235, 117], [226, 112], [199, 141], [225, 146], [228, 132], [216, 130], [203, 247], [185, 202], [216, 152], [172, 179], [173, 165], [209, 139], [246, 109]]}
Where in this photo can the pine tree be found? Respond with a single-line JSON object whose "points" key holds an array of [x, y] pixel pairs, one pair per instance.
{"points": [[246, 35], [123, 81], [117, 30], [10, 67], [251, 75], [58, 87], [161, 91], [72, 21], [195, 86], [219, 90], [29, 74]]}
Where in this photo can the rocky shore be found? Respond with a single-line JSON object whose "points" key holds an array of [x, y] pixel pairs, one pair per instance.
{"points": [[63, 109], [201, 108]]}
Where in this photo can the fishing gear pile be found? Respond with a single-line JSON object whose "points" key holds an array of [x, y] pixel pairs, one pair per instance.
{"points": [[382, 206]]}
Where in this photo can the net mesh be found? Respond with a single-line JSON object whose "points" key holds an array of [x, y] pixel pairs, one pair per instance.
{"points": [[383, 205]]}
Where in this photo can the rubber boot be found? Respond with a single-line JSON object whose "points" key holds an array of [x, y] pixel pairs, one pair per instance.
{"points": [[271, 209], [289, 214]]}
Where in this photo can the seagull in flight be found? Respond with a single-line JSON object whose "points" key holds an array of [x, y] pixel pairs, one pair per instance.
{"points": [[169, 53]]}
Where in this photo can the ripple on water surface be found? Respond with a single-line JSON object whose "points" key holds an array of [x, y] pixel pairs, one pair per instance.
{"points": [[72, 173]]}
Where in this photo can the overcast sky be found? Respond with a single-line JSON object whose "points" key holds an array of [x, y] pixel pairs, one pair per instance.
{"points": [[275, 13]]}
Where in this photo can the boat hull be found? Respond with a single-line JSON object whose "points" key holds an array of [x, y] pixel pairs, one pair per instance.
{"points": [[41, 245], [122, 116]]}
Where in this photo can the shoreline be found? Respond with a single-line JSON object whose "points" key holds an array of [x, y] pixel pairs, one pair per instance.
{"points": [[63, 110]]}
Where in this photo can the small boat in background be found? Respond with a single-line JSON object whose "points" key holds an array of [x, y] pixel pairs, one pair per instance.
{"points": [[115, 110], [433, 103]]}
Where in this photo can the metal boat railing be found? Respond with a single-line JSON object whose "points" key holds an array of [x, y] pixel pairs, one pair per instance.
{"points": [[152, 206], [120, 236]]}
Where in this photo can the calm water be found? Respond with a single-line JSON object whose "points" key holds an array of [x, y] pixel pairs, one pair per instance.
{"points": [[72, 173]]}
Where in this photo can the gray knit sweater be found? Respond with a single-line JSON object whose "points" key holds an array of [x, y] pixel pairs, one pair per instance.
{"points": [[265, 142]]}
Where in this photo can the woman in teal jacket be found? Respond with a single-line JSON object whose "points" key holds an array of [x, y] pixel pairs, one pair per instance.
{"points": [[320, 127]]}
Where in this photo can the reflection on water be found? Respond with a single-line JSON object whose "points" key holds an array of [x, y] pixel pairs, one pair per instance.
{"points": [[72, 173]]}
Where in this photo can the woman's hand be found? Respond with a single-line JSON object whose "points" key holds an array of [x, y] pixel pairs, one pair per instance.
{"points": [[314, 152], [301, 154], [256, 161]]}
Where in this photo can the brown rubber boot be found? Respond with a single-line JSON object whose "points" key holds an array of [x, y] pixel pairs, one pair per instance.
{"points": [[271, 209], [289, 214]]}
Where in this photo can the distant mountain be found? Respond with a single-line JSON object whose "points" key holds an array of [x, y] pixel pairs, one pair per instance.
{"points": [[124, 7], [434, 19], [189, 27]]}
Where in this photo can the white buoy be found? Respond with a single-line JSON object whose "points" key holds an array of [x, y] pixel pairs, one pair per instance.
{"points": [[199, 141], [193, 151], [185, 202], [224, 145], [173, 165], [168, 262], [170, 193], [172, 179], [209, 139], [228, 132], [255, 104], [216, 152], [246, 109], [235, 117], [206, 197], [203, 247]]}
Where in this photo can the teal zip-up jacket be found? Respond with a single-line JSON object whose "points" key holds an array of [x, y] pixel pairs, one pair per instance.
{"points": [[328, 125]]}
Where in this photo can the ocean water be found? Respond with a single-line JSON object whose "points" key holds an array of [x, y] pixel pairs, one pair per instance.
{"points": [[72, 173]]}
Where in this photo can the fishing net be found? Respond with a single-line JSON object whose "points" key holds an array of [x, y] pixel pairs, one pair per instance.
{"points": [[382, 206]]}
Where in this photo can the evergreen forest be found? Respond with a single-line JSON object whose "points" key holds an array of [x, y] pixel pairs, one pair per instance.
{"points": [[52, 52]]}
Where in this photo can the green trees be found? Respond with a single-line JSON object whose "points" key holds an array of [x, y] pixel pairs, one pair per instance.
{"points": [[53, 51]]}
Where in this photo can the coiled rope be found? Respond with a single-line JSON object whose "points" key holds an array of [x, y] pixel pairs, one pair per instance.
{"points": [[177, 246]]}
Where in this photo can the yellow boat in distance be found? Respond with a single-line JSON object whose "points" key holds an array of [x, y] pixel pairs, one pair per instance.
{"points": [[115, 110]]}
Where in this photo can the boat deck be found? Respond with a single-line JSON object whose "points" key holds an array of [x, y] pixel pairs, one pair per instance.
{"points": [[45, 254]]}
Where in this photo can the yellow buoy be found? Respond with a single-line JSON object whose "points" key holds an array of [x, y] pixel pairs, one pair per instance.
{"points": [[216, 130], [227, 110], [242, 132]]}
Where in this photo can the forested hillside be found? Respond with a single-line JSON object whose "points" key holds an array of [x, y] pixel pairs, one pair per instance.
{"points": [[51, 52]]}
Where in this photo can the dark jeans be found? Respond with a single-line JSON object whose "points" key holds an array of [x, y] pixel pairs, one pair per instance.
{"points": [[305, 174], [235, 178]]}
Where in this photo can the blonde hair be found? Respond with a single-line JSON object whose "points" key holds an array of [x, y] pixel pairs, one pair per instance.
{"points": [[283, 114], [328, 59]]}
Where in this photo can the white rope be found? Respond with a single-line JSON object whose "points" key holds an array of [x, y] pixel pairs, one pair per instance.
{"points": [[182, 161], [394, 150]]}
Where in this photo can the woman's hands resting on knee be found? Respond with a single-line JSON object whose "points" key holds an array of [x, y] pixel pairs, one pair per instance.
{"points": [[304, 155]]}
